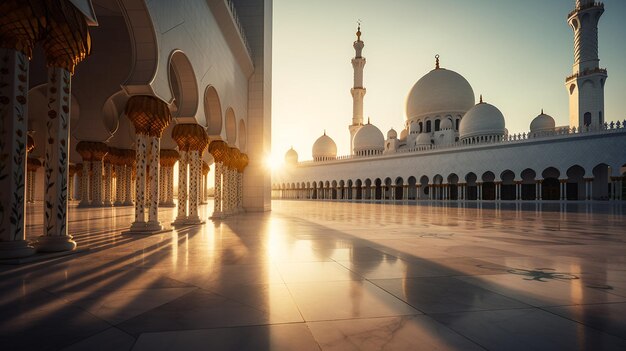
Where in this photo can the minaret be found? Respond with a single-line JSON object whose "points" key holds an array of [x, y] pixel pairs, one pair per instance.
{"points": [[586, 85], [357, 91]]}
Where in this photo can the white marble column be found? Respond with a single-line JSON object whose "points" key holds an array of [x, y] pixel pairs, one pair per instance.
{"points": [[170, 186], [120, 185], [13, 139], [55, 236], [153, 223], [108, 186], [183, 162], [96, 183], [217, 195], [128, 185], [194, 157], [84, 184], [141, 146]]}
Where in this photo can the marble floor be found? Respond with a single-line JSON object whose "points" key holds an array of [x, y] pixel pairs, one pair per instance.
{"points": [[330, 276]]}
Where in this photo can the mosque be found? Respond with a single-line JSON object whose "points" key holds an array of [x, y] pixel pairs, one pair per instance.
{"points": [[452, 148], [99, 99]]}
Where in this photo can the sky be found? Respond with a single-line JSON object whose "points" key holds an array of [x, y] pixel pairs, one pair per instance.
{"points": [[516, 53]]}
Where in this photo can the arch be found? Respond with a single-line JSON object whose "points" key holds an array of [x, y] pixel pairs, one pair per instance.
{"points": [[550, 186], [437, 124], [243, 136], [472, 189], [367, 195], [359, 189], [399, 193], [183, 86], [507, 189], [428, 126], [349, 187], [453, 187], [575, 188], [231, 126], [421, 125], [528, 184], [412, 192], [378, 191], [424, 186], [387, 189], [212, 111], [600, 184], [488, 188]]}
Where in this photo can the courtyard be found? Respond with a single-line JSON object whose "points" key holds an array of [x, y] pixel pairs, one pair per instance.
{"points": [[332, 276]]}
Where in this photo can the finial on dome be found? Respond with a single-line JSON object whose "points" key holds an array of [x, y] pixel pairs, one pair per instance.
{"points": [[358, 31], [437, 61], [324, 131], [542, 111], [481, 98], [368, 120]]}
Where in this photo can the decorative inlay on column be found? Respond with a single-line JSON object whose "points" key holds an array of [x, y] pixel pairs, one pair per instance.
{"points": [[55, 236], [205, 182], [150, 116], [98, 152], [128, 157], [181, 218], [19, 31], [108, 183], [32, 166], [166, 188]]}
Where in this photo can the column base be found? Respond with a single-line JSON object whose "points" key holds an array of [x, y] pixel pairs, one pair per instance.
{"points": [[167, 204], [118, 203], [55, 243], [83, 204], [15, 249], [146, 228], [217, 215], [129, 203], [107, 204], [187, 222], [96, 204]]}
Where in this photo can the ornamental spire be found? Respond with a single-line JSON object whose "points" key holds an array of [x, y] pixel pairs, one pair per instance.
{"points": [[437, 61]]}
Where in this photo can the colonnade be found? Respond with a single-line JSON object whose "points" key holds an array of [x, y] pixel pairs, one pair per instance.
{"points": [[166, 192], [464, 191], [63, 33], [229, 166]]}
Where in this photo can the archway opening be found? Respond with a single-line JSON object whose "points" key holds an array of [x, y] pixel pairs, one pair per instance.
{"points": [[471, 192], [489, 186], [212, 111], [507, 188], [529, 191]]}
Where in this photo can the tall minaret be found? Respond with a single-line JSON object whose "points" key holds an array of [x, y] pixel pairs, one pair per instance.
{"points": [[586, 85], [357, 91]]}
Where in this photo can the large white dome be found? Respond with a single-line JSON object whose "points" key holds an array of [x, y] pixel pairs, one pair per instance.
{"points": [[369, 138], [324, 148], [482, 120], [441, 91], [542, 123]]}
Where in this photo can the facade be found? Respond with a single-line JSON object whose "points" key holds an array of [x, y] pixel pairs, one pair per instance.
{"points": [[452, 148], [101, 98]]}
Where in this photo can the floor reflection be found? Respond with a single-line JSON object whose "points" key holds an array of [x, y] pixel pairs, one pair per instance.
{"points": [[330, 275]]}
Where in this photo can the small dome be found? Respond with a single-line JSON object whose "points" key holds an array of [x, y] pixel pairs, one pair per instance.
{"points": [[542, 123], [446, 124], [403, 134], [482, 120], [291, 156], [324, 148], [369, 138], [423, 139], [440, 91], [392, 134]]}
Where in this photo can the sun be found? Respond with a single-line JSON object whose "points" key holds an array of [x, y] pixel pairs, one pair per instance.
{"points": [[273, 162]]}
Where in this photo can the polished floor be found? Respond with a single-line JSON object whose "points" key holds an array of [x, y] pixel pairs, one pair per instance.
{"points": [[330, 276]]}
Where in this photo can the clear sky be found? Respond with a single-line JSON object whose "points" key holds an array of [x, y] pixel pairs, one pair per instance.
{"points": [[516, 53]]}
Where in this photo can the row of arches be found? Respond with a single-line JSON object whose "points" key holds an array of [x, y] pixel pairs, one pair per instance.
{"points": [[429, 124], [528, 185], [184, 88]]}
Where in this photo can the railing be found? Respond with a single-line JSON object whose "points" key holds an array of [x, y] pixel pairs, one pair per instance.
{"points": [[586, 73], [233, 13], [563, 132], [584, 7]]}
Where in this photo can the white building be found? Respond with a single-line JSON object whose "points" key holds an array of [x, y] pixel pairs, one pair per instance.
{"points": [[452, 148]]}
